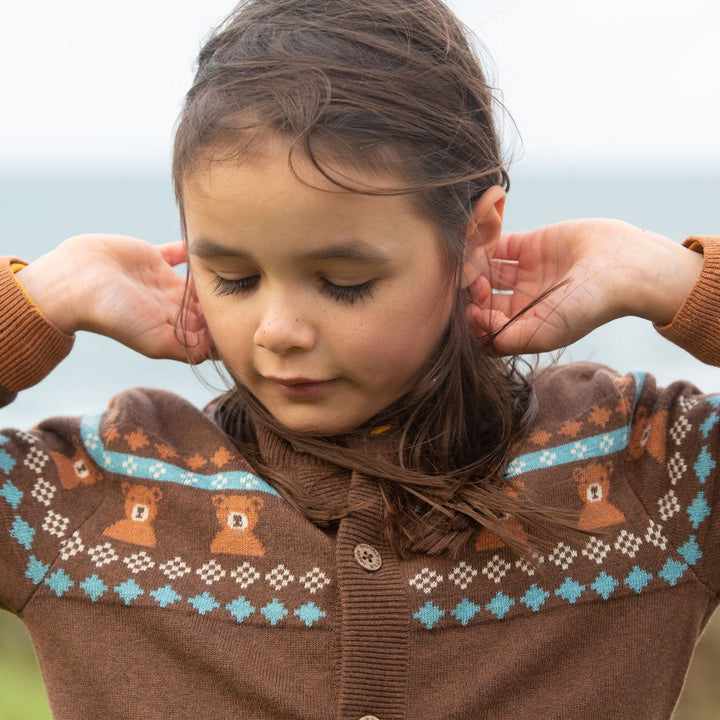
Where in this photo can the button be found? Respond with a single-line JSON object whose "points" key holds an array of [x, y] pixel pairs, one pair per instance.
{"points": [[368, 717], [368, 558]]}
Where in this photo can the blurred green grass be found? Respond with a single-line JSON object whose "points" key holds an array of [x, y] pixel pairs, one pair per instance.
{"points": [[22, 696]]}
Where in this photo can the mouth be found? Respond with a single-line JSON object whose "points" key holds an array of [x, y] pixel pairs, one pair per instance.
{"points": [[299, 387]]}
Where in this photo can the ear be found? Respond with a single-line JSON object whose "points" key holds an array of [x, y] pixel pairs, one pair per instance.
{"points": [[482, 233]]}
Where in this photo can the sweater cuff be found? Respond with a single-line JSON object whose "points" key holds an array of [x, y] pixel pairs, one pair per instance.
{"points": [[696, 326], [30, 345]]}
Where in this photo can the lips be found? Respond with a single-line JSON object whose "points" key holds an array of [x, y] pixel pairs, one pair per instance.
{"points": [[300, 387]]}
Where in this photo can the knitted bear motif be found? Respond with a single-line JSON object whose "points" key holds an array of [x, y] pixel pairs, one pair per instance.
{"points": [[593, 484], [141, 507], [237, 515]]}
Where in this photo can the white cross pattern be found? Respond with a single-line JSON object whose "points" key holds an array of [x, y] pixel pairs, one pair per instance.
{"points": [[55, 524], [496, 569], [314, 580], [43, 491], [245, 575], [175, 568], [426, 580], [279, 577]]}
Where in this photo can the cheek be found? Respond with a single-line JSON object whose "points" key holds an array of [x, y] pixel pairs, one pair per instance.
{"points": [[399, 341], [230, 335]]}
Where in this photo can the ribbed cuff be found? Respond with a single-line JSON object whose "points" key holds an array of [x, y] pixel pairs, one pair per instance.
{"points": [[30, 345], [696, 326]]}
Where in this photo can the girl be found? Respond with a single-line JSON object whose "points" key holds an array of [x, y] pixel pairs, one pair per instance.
{"points": [[383, 518]]}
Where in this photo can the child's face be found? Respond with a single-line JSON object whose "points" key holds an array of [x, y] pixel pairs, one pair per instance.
{"points": [[326, 305]]}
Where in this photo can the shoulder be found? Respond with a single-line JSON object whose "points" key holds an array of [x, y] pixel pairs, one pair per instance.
{"points": [[586, 395], [145, 432]]}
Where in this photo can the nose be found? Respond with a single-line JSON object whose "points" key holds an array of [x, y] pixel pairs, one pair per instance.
{"points": [[283, 327]]}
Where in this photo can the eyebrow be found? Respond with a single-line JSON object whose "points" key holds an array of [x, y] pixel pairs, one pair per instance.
{"points": [[356, 250]]}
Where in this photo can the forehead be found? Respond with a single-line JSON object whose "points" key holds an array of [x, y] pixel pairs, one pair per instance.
{"points": [[262, 194]]}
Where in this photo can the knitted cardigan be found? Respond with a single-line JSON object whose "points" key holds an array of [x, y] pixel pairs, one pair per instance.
{"points": [[160, 577]]}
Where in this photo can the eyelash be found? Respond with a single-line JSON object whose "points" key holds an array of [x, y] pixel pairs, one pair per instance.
{"points": [[223, 286], [347, 294]]}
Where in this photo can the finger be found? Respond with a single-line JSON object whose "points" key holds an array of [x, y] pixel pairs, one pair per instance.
{"points": [[484, 321], [511, 245], [174, 253]]}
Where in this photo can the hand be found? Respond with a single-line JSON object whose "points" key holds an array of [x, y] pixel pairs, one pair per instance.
{"points": [[121, 287], [582, 273]]}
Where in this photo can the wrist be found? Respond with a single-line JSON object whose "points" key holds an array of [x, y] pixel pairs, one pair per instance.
{"points": [[669, 273], [49, 289]]}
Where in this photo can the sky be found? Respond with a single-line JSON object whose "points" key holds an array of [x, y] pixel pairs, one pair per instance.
{"points": [[97, 84]]}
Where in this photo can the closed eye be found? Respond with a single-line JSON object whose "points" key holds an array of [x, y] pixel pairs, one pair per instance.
{"points": [[225, 286], [348, 294]]}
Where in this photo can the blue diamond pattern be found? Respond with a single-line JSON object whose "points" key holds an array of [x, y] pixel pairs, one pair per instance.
{"points": [[274, 611], [22, 532], [36, 571], [638, 579], [429, 615], [708, 424], [6, 462], [605, 585], [11, 494], [465, 611], [94, 587], [204, 603], [704, 465], [165, 596], [240, 609], [690, 551], [310, 613], [672, 571], [59, 582], [129, 591], [698, 510], [500, 605], [570, 590], [535, 597]]}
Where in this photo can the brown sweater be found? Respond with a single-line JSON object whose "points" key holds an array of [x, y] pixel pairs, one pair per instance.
{"points": [[161, 578]]}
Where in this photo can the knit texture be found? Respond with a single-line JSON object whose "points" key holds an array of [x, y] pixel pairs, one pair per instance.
{"points": [[161, 577], [37, 345], [696, 323]]}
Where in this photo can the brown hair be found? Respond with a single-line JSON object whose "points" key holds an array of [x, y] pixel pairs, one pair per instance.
{"points": [[392, 87]]}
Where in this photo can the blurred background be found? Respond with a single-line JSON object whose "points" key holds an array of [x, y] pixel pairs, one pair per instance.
{"points": [[612, 112]]}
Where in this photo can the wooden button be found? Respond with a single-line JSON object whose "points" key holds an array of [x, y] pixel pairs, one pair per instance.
{"points": [[368, 558]]}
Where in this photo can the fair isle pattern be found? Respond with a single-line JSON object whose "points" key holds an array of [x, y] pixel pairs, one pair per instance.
{"points": [[600, 445], [486, 587], [140, 570], [585, 449], [661, 567], [143, 468]]}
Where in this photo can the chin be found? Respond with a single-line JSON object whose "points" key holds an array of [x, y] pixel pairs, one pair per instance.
{"points": [[319, 427]]}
